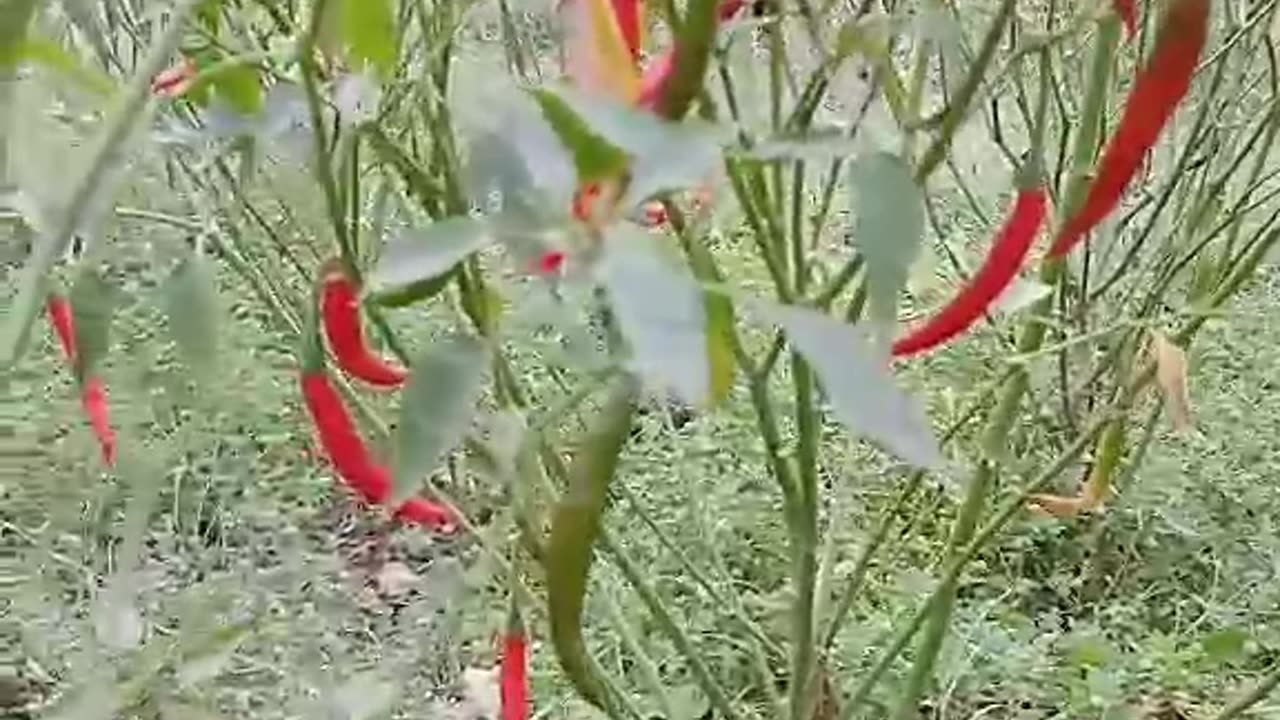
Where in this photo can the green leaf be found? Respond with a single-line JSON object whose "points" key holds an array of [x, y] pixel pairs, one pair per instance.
{"points": [[15, 18], [594, 157], [889, 227], [575, 526], [191, 304], [720, 319], [428, 253], [209, 15], [659, 307], [414, 292], [369, 31], [664, 155], [240, 86], [437, 406], [1225, 645], [856, 376], [92, 305]]}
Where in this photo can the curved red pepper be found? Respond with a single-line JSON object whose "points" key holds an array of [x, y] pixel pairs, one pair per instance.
{"points": [[998, 270], [341, 441], [63, 325], [342, 326], [353, 462], [513, 671], [93, 392], [94, 400], [1158, 90], [630, 17]]}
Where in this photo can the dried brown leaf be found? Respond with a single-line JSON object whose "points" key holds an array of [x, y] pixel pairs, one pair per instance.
{"points": [[1171, 375], [1058, 505]]}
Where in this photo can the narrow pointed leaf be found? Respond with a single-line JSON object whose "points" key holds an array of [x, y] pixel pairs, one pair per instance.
{"points": [[92, 307], [437, 406], [191, 303], [412, 293], [659, 307], [594, 157], [422, 254], [720, 319], [888, 229], [861, 388], [663, 155], [575, 526]]}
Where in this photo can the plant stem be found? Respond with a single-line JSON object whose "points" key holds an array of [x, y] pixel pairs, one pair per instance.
{"points": [[1251, 697]]}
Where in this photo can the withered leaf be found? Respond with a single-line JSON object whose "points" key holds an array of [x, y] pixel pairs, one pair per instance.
{"points": [[1171, 375]]}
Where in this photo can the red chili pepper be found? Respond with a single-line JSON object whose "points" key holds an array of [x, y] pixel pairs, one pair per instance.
{"points": [[1158, 90], [1128, 15], [345, 332], [630, 16], [63, 325], [341, 441], [998, 270], [348, 452], [550, 262], [433, 515], [94, 399], [93, 392], [513, 672]]}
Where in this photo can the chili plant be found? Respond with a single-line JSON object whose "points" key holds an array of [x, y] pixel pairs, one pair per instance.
{"points": [[520, 205]]}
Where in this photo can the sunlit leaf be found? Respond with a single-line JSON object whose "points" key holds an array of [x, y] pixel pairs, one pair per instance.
{"points": [[92, 307], [191, 303], [861, 389], [1171, 375], [436, 408], [369, 31], [888, 229], [426, 253], [575, 526], [240, 87], [659, 307], [594, 157]]}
